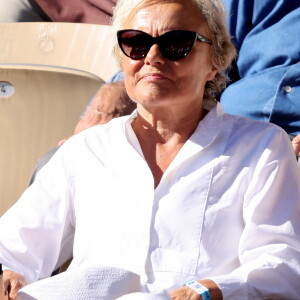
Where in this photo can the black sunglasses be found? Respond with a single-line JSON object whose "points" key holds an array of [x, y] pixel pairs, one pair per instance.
{"points": [[173, 45]]}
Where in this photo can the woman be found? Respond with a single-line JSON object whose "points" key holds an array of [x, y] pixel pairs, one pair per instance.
{"points": [[186, 206]]}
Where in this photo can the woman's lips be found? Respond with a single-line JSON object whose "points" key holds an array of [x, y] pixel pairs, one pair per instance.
{"points": [[153, 76]]}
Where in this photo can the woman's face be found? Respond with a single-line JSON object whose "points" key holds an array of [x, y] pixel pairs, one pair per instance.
{"points": [[156, 81]]}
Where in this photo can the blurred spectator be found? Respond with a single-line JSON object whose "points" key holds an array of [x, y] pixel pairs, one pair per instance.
{"points": [[74, 11]]}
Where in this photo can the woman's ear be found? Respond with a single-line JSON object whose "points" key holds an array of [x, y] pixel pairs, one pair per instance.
{"points": [[211, 75]]}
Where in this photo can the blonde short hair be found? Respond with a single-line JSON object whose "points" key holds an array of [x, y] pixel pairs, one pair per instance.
{"points": [[223, 50]]}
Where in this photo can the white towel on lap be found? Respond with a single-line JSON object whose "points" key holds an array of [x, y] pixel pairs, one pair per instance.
{"points": [[103, 283]]}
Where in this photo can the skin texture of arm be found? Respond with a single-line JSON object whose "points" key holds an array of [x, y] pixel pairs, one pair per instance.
{"points": [[111, 101]]}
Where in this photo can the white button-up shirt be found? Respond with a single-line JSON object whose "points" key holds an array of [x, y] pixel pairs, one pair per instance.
{"points": [[227, 208]]}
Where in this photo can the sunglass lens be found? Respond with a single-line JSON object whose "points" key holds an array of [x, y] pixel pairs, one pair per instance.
{"points": [[174, 45], [177, 44], [135, 44]]}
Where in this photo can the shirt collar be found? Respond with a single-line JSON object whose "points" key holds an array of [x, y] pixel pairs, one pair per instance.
{"points": [[207, 131]]}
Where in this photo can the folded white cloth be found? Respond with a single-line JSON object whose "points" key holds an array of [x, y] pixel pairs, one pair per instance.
{"points": [[145, 296], [104, 283]]}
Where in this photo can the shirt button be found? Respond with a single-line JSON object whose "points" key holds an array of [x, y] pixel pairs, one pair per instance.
{"points": [[288, 89]]}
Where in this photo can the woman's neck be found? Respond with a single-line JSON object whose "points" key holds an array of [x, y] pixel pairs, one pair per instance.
{"points": [[163, 125], [162, 136]]}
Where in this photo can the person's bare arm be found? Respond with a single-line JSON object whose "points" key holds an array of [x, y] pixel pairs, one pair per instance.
{"points": [[111, 101]]}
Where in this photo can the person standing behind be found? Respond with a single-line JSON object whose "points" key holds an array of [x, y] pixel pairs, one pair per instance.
{"points": [[265, 79]]}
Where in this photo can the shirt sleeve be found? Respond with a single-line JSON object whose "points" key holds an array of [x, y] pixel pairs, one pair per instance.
{"points": [[269, 248], [36, 234]]}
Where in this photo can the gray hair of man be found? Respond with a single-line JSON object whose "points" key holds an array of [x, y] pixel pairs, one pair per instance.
{"points": [[223, 51]]}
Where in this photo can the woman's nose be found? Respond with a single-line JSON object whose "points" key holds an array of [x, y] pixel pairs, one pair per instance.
{"points": [[154, 56]]}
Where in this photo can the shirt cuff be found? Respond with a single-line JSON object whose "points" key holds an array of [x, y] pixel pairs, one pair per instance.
{"points": [[231, 286]]}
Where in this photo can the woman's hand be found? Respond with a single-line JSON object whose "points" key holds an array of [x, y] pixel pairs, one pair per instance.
{"points": [[186, 293], [12, 283]]}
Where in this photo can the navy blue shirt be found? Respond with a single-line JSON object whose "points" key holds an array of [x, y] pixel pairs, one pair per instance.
{"points": [[266, 77]]}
